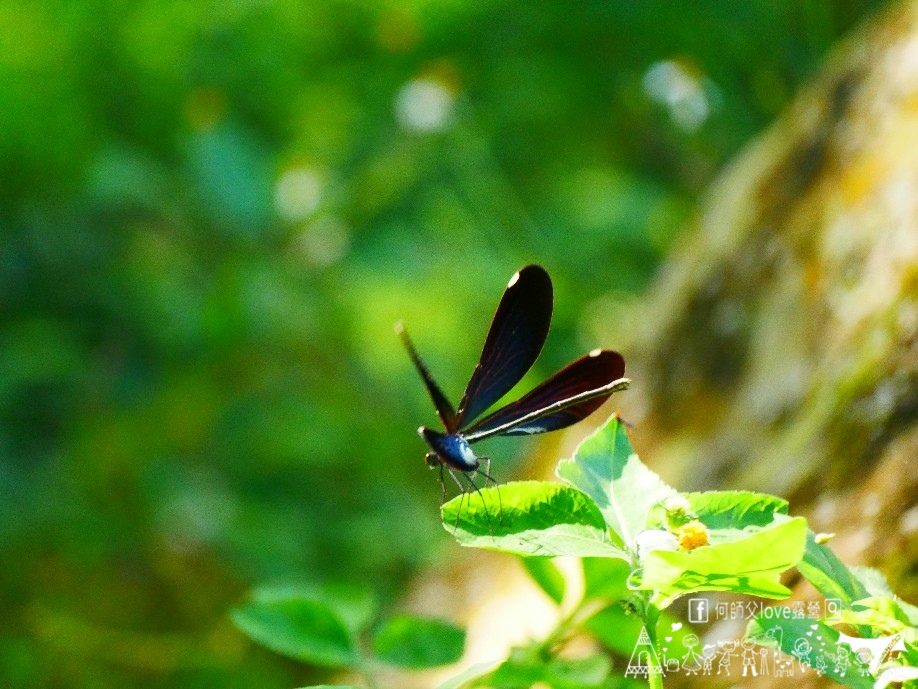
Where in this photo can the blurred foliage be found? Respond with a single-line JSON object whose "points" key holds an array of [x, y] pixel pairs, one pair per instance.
{"points": [[212, 214]]}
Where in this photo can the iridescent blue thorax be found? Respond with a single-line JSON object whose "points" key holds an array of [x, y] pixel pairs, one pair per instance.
{"points": [[450, 449]]}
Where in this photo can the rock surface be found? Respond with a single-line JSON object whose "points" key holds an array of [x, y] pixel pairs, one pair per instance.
{"points": [[779, 349]]}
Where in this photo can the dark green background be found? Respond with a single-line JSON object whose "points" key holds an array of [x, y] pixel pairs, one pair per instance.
{"points": [[200, 388]]}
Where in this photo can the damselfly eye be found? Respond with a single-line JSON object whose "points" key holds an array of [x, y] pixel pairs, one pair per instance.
{"points": [[431, 460]]}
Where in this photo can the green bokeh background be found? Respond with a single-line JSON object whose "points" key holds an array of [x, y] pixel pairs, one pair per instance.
{"points": [[211, 217]]}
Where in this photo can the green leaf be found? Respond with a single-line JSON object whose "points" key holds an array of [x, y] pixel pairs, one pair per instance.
{"points": [[618, 629], [606, 468], [605, 578], [417, 642], [735, 509], [304, 629], [356, 605], [474, 672], [750, 563], [353, 604], [331, 686], [808, 640], [884, 615], [525, 669], [829, 575], [547, 575], [894, 675], [530, 518], [873, 581]]}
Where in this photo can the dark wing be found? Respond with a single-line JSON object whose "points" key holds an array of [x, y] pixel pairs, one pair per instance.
{"points": [[514, 341], [572, 394], [444, 408]]}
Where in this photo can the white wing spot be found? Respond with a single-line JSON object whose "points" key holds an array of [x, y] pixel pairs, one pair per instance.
{"points": [[533, 429], [595, 353], [516, 276]]}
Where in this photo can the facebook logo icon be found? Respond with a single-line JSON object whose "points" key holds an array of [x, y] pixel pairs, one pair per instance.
{"points": [[698, 610]]}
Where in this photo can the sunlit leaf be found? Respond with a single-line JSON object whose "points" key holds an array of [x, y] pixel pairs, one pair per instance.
{"points": [[895, 675], [735, 509], [606, 468], [884, 615], [831, 577], [809, 641], [530, 518], [873, 581], [751, 563]]}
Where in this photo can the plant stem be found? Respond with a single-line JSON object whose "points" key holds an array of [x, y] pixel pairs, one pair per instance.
{"points": [[368, 678], [572, 621], [363, 665], [651, 617]]}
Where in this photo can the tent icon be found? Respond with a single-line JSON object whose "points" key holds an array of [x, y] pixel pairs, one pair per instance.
{"points": [[644, 659]]}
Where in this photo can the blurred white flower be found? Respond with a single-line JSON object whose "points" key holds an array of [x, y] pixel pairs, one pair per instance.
{"points": [[298, 192], [685, 93], [322, 242], [424, 105]]}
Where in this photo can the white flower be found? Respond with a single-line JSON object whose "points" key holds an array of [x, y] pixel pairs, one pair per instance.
{"points": [[677, 503], [655, 539]]}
